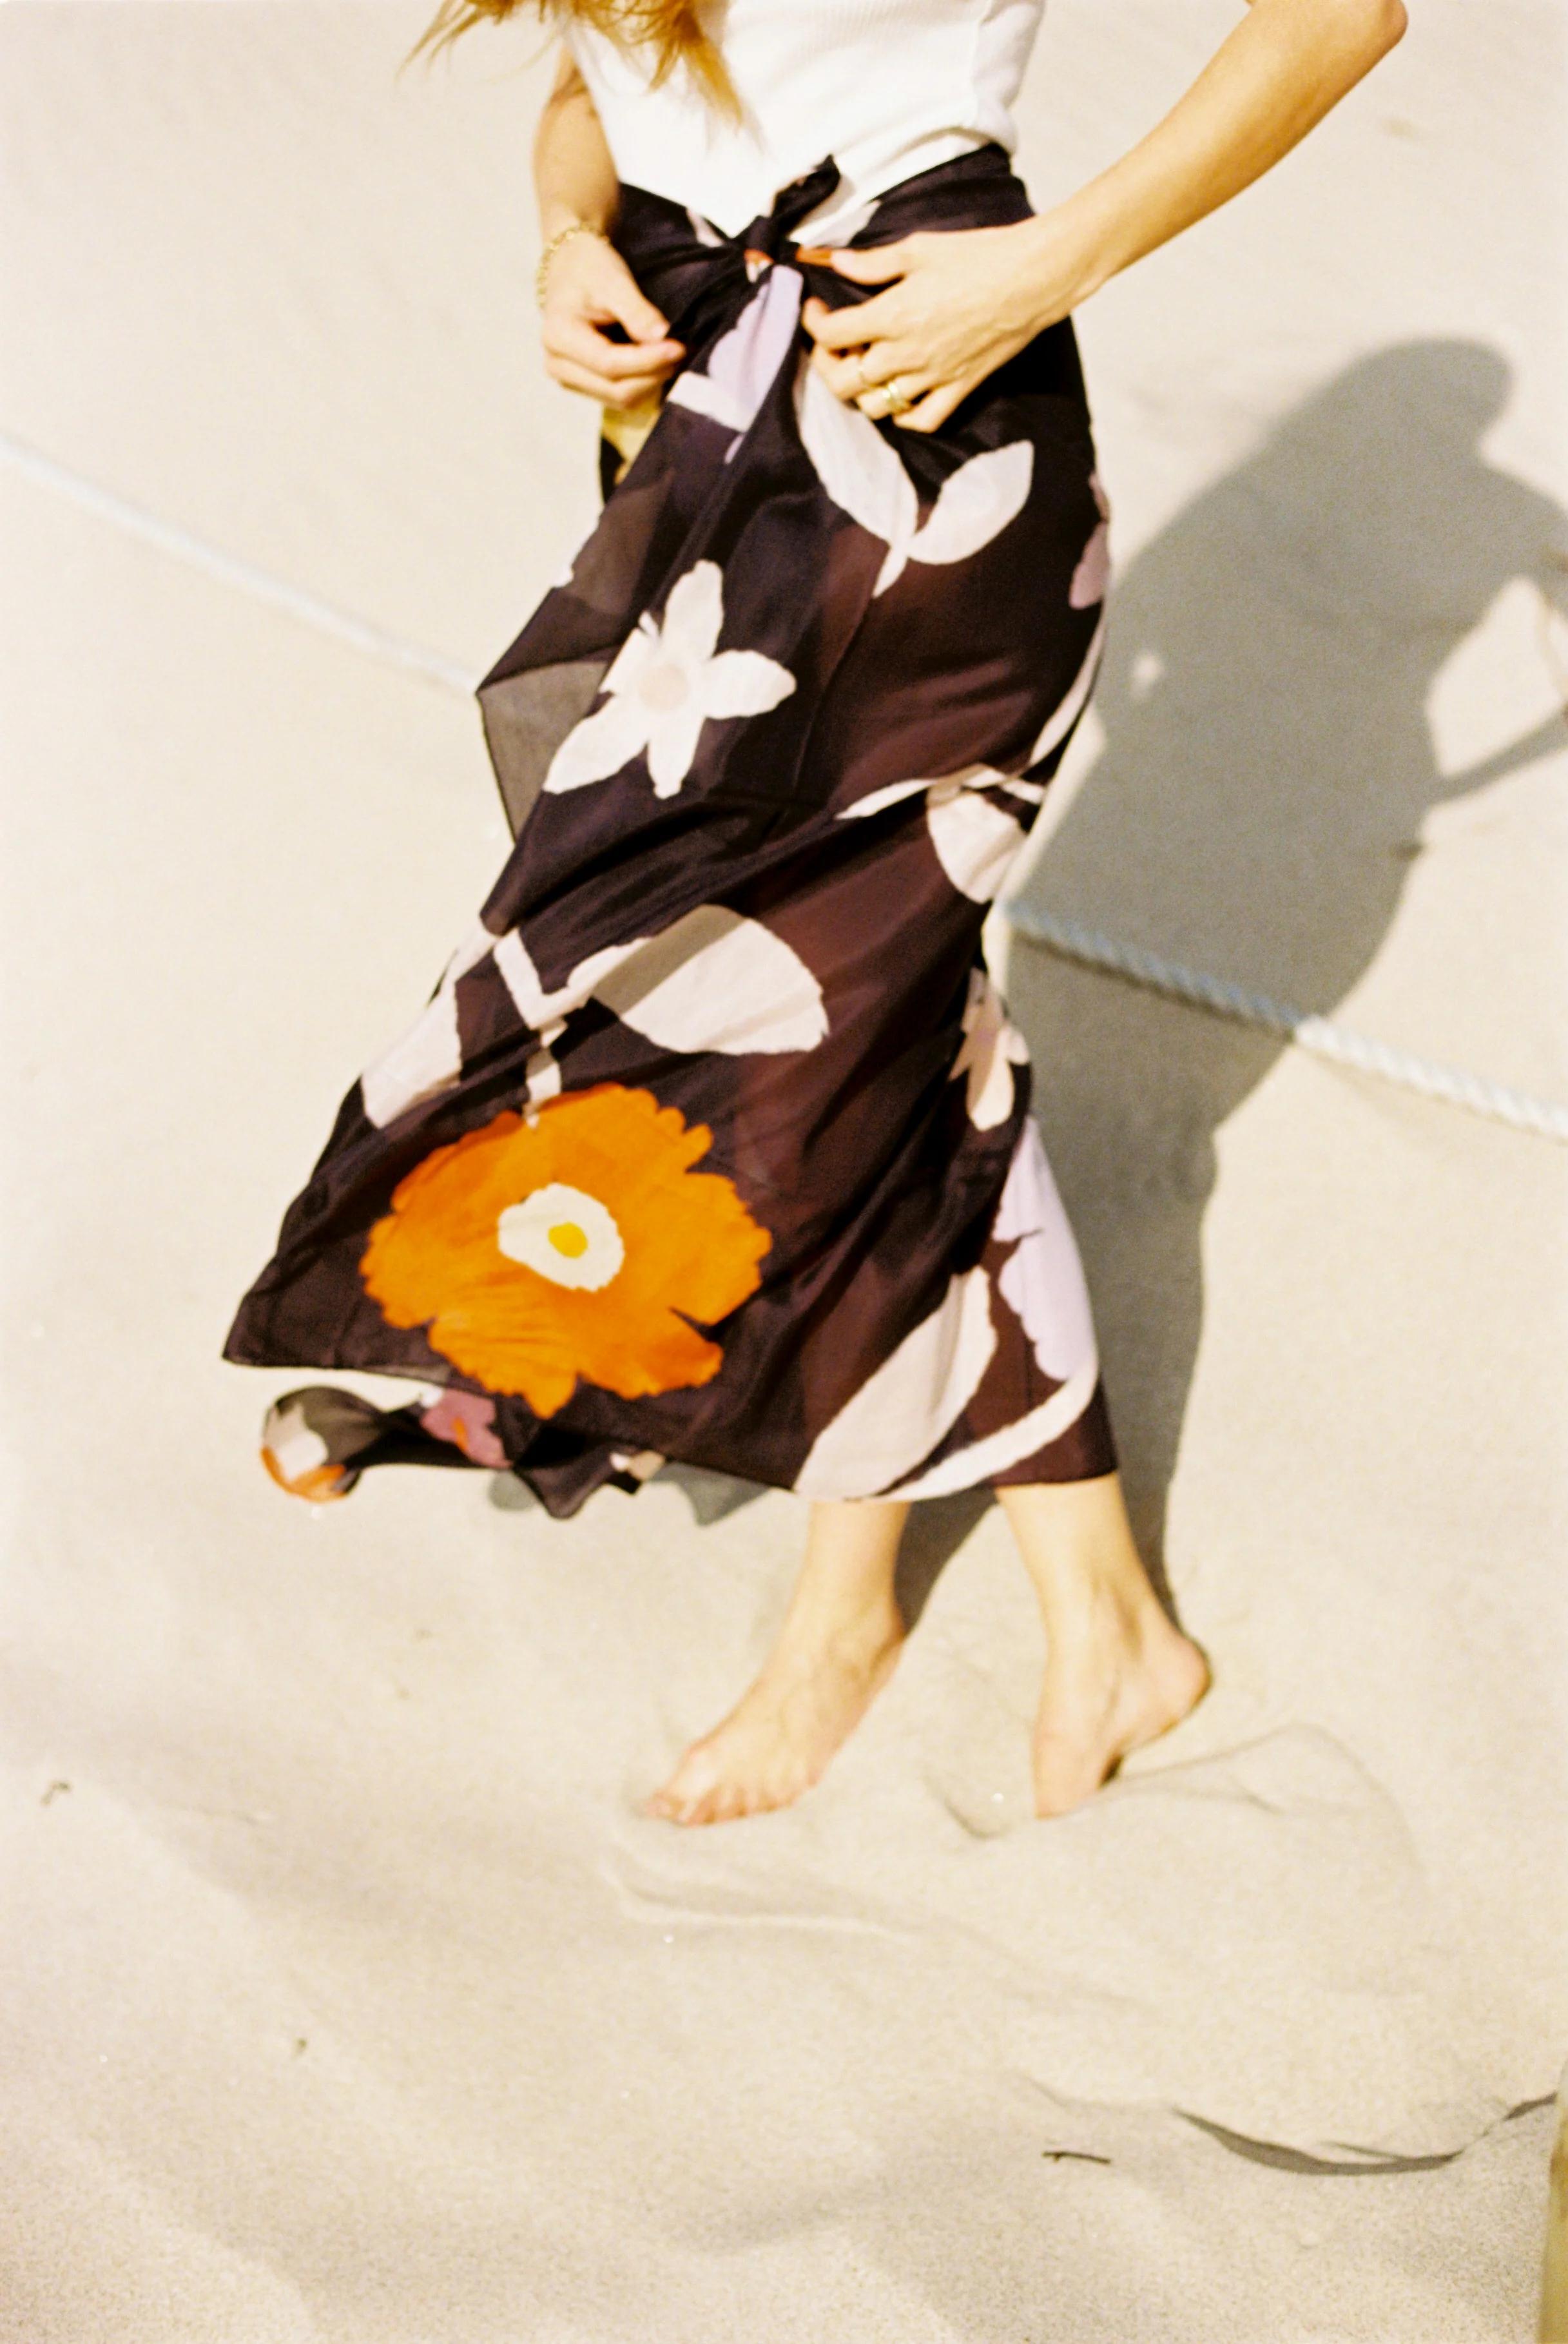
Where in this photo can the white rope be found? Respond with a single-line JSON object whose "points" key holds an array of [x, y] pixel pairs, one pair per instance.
{"points": [[168, 538], [1318, 1035]]}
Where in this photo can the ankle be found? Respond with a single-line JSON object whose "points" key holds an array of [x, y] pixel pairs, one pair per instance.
{"points": [[850, 1626], [1095, 1602]]}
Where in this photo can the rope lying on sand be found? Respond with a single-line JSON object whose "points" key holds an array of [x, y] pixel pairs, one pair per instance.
{"points": [[168, 537], [1320, 1037]]}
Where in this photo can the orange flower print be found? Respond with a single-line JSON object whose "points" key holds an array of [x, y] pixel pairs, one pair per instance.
{"points": [[578, 1244]]}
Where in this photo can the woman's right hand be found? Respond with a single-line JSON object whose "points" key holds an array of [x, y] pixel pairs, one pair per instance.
{"points": [[587, 288]]}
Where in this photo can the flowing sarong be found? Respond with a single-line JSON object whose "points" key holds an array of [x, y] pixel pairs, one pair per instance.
{"points": [[714, 1142]]}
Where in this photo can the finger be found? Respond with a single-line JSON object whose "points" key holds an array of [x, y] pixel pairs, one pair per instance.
{"points": [[615, 394], [572, 377], [631, 397], [567, 334], [898, 394], [630, 307], [841, 374], [929, 414], [877, 267], [578, 379], [863, 321]]}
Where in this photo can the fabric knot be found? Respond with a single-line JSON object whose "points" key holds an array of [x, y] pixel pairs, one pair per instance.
{"points": [[772, 229]]}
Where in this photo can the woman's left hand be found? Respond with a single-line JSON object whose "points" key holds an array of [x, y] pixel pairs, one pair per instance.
{"points": [[957, 303]]}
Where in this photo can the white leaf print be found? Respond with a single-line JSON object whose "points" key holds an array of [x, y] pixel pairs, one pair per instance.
{"points": [[878, 801], [975, 503], [910, 1402], [860, 471], [1010, 1446], [664, 684], [970, 777], [744, 364], [865, 477], [975, 842], [991, 1048], [1042, 1279], [704, 396], [1068, 708], [717, 981], [1092, 578], [541, 1075], [542, 1010], [428, 1057]]}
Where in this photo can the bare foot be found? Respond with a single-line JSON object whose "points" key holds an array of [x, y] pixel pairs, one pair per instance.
{"points": [[777, 1742], [1117, 1675]]}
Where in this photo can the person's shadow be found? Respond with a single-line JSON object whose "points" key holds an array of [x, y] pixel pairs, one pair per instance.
{"points": [[1256, 811]]}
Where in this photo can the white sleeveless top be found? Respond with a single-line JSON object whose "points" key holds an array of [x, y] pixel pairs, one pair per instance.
{"points": [[887, 88]]}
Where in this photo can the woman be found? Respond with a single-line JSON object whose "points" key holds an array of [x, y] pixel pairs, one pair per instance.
{"points": [[713, 1141]]}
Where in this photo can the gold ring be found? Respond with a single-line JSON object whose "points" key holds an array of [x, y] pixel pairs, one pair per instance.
{"points": [[898, 402]]}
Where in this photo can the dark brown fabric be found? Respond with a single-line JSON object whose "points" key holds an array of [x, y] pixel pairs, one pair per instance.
{"points": [[714, 1142]]}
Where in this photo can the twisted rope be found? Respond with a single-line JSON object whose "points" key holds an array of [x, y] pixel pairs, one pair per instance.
{"points": [[1319, 1037], [168, 537]]}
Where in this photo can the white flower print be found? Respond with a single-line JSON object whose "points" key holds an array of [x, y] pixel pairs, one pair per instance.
{"points": [[910, 1402], [992, 1046], [664, 684]]}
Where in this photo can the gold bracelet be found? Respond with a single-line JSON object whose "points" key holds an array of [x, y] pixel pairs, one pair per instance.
{"points": [[573, 227]]}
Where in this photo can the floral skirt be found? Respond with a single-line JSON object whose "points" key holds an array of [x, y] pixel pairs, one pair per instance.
{"points": [[713, 1141]]}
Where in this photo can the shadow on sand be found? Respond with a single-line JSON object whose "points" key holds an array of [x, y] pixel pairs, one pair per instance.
{"points": [[1256, 810]]}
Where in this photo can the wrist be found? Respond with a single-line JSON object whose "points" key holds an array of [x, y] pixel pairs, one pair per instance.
{"points": [[556, 241], [1070, 252], [556, 213]]}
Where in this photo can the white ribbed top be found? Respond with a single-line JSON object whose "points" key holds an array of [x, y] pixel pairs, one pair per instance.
{"points": [[887, 87]]}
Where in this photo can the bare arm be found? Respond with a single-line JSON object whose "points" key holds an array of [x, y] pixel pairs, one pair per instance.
{"points": [[957, 305], [588, 286]]}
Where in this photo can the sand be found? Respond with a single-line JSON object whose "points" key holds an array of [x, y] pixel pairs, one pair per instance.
{"points": [[348, 1998]]}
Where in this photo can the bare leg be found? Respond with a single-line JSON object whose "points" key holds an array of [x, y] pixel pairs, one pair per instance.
{"points": [[1117, 1672], [840, 1639]]}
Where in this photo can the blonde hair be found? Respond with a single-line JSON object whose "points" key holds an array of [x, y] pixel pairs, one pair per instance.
{"points": [[671, 29]]}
